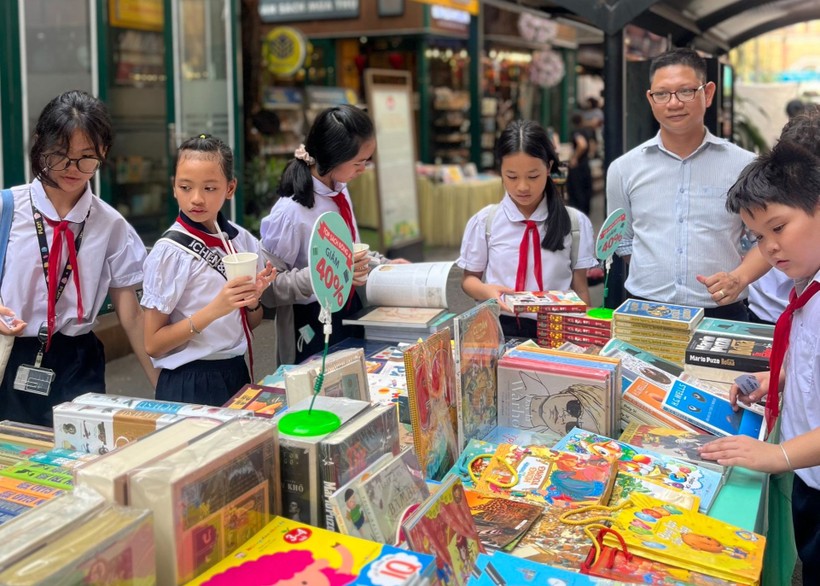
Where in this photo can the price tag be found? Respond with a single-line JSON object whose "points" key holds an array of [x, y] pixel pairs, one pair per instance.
{"points": [[610, 235], [331, 261]]}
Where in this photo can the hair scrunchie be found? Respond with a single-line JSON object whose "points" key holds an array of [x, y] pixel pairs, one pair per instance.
{"points": [[302, 154]]}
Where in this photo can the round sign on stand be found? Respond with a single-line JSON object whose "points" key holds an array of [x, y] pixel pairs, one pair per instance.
{"points": [[609, 238], [330, 260]]}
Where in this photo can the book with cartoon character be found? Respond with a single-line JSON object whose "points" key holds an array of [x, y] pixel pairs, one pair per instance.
{"points": [[432, 398], [688, 540], [501, 522], [545, 302], [478, 345], [444, 527], [503, 569], [679, 474], [347, 504], [472, 461], [675, 443]]}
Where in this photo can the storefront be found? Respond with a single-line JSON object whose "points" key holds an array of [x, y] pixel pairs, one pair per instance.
{"points": [[167, 71]]}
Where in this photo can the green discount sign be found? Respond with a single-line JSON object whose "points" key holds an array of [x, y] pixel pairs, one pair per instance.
{"points": [[610, 235], [331, 261]]}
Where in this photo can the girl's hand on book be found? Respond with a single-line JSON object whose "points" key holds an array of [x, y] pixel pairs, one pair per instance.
{"points": [[497, 292], [735, 395], [741, 450]]}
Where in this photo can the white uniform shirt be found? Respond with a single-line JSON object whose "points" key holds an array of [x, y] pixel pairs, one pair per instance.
{"points": [[179, 284], [769, 295], [801, 395], [111, 256], [286, 230], [498, 257]]}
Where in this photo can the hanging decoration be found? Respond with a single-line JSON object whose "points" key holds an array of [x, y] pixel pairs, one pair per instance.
{"points": [[284, 51], [546, 68], [536, 29]]}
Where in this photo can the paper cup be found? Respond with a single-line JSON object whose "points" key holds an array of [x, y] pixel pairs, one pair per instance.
{"points": [[359, 248], [241, 264]]}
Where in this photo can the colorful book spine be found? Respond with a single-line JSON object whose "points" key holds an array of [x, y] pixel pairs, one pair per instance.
{"points": [[31, 488], [40, 473]]}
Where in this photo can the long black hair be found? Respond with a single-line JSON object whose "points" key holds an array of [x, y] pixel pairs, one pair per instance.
{"points": [[70, 111], [335, 138], [528, 137]]}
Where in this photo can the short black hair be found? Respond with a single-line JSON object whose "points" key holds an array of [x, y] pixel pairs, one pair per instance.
{"points": [[804, 129], [788, 175], [214, 148], [680, 56], [795, 107], [70, 111]]}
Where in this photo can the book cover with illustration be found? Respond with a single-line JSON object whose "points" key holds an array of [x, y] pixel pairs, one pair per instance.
{"points": [[686, 476], [209, 497], [521, 437], [711, 412], [430, 372], [633, 311], [500, 522], [626, 484], [478, 345], [738, 354], [547, 477], [154, 406], [689, 540], [347, 504], [390, 492], [444, 527], [345, 376], [404, 317], [675, 443], [502, 569], [472, 461], [646, 399], [545, 302], [354, 447], [262, 400], [288, 552]]}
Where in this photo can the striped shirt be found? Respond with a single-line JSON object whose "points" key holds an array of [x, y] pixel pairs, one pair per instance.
{"points": [[678, 225]]}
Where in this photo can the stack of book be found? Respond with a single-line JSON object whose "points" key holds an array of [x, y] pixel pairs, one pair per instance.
{"points": [[720, 350], [661, 328], [555, 329], [544, 302]]}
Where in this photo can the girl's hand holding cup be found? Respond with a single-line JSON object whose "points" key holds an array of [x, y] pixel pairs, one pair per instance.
{"points": [[361, 263]]}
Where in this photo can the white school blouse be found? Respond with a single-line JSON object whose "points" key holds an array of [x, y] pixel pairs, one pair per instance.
{"points": [[287, 228], [801, 394], [179, 284], [497, 257], [111, 256]]}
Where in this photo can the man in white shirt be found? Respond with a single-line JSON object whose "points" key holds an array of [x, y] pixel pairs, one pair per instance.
{"points": [[682, 245]]}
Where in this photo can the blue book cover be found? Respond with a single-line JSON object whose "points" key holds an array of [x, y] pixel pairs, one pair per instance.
{"points": [[679, 474], [741, 329], [501, 569], [711, 412], [675, 316], [469, 459]]}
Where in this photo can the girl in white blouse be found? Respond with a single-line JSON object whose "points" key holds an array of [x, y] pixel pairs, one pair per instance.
{"points": [[70, 250], [525, 243]]}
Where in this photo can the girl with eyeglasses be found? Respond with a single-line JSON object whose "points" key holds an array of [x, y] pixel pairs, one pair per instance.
{"points": [[70, 250]]}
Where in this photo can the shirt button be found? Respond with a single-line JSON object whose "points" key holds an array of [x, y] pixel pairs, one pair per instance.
{"points": [[680, 220], [680, 251]]}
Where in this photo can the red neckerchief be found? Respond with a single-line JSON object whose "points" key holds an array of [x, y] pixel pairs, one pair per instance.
{"points": [[530, 229], [781, 343], [344, 210], [196, 229]]}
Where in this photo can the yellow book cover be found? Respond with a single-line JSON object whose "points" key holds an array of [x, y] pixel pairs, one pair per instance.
{"points": [[289, 552], [627, 484], [689, 540]]}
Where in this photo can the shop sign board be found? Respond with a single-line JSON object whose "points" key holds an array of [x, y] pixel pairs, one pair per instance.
{"points": [[470, 6], [302, 10], [146, 15]]}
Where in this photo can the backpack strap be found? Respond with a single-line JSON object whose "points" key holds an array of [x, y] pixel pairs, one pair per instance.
{"points": [[5, 227], [576, 235], [194, 246], [492, 210]]}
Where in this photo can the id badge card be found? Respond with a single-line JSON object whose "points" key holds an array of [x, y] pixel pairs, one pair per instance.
{"points": [[34, 379]]}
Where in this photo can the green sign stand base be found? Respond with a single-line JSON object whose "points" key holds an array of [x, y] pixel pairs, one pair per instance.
{"points": [[309, 423]]}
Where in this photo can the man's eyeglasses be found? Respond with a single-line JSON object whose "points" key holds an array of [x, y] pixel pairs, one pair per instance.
{"points": [[60, 162], [683, 95]]}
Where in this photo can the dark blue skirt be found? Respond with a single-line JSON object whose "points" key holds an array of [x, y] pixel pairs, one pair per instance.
{"points": [[203, 382], [78, 363]]}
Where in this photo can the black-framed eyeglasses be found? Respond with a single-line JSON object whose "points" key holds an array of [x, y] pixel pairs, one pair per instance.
{"points": [[60, 162], [683, 95]]}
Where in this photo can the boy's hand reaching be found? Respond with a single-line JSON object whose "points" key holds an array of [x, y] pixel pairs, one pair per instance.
{"points": [[736, 395]]}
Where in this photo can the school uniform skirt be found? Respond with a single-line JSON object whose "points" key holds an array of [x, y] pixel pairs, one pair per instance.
{"points": [[203, 382], [78, 363]]}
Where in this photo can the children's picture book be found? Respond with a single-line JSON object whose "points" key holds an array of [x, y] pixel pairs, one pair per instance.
{"points": [[390, 491], [300, 461], [347, 504], [626, 484], [686, 476], [162, 407], [432, 399], [478, 345], [286, 552], [675, 443], [108, 474], [444, 527], [712, 413], [261, 400], [547, 477], [633, 311], [472, 461], [503, 569], [688, 540], [545, 302], [501, 522], [209, 497], [345, 376], [354, 447]]}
